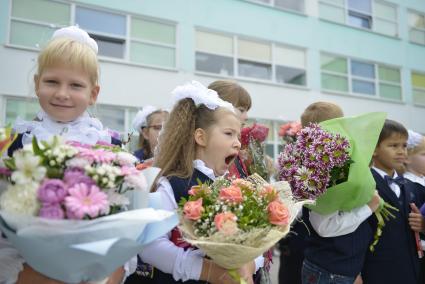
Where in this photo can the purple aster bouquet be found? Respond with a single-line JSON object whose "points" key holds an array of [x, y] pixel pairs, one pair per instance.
{"points": [[69, 207], [315, 161], [329, 163]]}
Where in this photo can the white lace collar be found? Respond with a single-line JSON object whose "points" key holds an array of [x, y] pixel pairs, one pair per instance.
{"points": [[84, 129], [202, 167], [414, 178]]}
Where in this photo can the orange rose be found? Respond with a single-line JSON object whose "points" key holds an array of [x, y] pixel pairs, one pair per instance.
{"points": [[231, 194], [226, 223], [269, 191], [278, 213], [193, 209]]}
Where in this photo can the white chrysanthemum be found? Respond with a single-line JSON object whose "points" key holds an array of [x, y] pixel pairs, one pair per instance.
{"points": [[28, 168], [126, 159], [136, 181], [116, 199], [21, 199], [79, 163]]}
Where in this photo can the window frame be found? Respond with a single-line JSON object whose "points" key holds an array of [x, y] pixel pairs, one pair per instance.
{"points": [[372, 16], [271, 4], [350, 77], [127, 39], [417, 88], [236, 58], [410, 28]]}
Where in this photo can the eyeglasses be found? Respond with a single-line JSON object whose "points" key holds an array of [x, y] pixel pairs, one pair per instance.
{"points": [[156, 127]]}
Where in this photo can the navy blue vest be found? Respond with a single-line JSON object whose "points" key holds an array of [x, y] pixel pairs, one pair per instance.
{"points": [[181, 186], [140, 154], [17, 144], [395, 259], [343, 255]]}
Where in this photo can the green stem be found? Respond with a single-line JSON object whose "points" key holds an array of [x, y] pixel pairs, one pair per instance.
{"points": [[382, 214]]}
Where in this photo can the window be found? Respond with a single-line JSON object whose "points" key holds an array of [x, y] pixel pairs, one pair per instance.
{"points": [[110, 116], [417, 27], [376, 15], [418, 87], [106, 28], [153, 43], [346, 75], [292, 5], [216, 53], [25, 109], [254, 59], [129, 38], [33, 27]]}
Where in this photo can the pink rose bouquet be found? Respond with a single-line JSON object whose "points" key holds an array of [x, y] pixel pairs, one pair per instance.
{"points": [[289, 131], [243, 216]]}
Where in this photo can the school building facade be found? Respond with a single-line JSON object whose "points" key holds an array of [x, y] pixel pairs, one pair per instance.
{"points": [[365, 55]]}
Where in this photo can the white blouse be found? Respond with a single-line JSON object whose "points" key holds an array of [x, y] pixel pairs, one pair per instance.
{"points": [[164, 254], [414, 178]]}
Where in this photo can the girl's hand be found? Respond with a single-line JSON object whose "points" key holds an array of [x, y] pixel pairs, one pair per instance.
{"points": [[117, 276], [30, 276], [247, 271], [416, 220]]}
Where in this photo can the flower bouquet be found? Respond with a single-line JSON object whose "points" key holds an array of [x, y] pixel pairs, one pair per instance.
{"points": [[252, 140], [329, 163], [234, 222], [289, 131], [77, 212]]}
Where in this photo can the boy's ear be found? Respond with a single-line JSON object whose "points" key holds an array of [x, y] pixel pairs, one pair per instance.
{"points": [[200, 136], [94, 93]]}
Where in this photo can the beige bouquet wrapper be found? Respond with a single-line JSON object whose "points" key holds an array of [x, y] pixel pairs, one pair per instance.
{"points": [[232, 252]]}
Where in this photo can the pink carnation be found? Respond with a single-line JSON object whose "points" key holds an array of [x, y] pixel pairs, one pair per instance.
{"points": [[52, 191], [51, 211], [86, 200]]}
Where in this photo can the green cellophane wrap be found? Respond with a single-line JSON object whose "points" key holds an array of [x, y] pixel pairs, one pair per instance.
{"points": [[362, 132]]}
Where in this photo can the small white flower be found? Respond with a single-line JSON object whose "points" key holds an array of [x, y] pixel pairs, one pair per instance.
{"points": [[52, 162], [116, 199], [21, 199], [28, 168], [136, 181]]}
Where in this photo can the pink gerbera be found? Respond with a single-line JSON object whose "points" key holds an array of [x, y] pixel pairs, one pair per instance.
{"points": [[97, 155], [86, 199]]}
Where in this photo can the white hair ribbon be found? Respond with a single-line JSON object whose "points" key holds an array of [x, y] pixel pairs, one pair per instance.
{"points": [[140, 120], [77, 34]]}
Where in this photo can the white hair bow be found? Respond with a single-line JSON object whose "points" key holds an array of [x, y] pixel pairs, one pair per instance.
{"points": [[77, 34], [200, 95], [140, 120], [414, 139]]}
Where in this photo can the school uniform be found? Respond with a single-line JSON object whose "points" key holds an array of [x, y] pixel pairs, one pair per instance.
{"points": [[395, 259], [337, 246], [140, 154]]}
